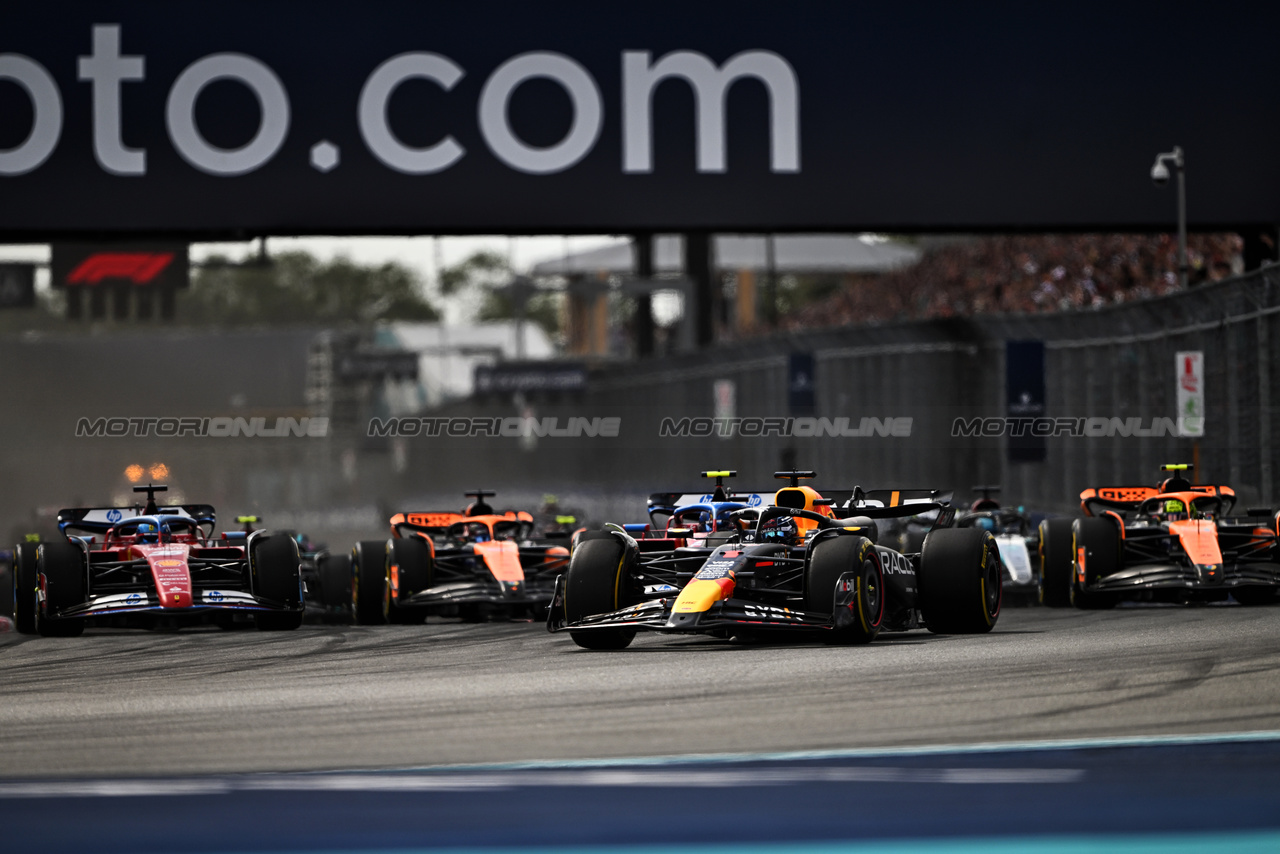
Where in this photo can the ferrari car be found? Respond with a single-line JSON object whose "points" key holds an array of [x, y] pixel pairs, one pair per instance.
{"points": [[803, 563], [1175, 542], [1015, 534], [164, 562], [475, 564]]}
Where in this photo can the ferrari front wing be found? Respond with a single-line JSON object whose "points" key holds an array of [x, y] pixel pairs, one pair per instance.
{"points": [[143, 601]]}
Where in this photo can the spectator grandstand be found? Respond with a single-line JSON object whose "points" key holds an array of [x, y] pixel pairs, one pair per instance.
{"points": [[1023, 273]]}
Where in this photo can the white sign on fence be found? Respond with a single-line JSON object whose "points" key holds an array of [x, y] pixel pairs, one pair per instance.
{"points": [[1189, 372], [726, 394]]}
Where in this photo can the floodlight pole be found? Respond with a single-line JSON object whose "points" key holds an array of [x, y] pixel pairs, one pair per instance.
{"points": [[1182, 219], [1179, 163]]}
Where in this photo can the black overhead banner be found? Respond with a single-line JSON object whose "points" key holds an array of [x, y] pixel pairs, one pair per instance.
{"points": [[227, 118]]}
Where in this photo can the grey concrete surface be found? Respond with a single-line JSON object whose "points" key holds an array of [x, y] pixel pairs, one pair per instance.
{"points": [[132, 702]]}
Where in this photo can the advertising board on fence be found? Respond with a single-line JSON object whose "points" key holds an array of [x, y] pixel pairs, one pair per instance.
{"points": [[1190, 377]]}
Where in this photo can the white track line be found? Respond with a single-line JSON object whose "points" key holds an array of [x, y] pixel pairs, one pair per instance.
{"points": [[465, 782], [867, 752], [645, 771]]}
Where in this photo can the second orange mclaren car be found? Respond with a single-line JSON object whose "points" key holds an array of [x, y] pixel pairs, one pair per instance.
{"points": [[472, 564]]}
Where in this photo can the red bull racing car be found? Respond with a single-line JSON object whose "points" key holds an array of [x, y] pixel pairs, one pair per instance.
{"points": [[156, 562], [802, 563], [473, 564], [1174, 542]]}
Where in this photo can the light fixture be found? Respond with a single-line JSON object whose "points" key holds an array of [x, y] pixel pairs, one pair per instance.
{"points": [[1160, 174]]}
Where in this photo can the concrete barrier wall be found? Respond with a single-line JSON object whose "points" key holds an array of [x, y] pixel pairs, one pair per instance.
{"points": [[1116, 362]]}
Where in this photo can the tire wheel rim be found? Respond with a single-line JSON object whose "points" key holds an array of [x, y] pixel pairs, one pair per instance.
{"points": [[355, 587], [872, 599], [386, 599], [1040, 580], [993, 587]]}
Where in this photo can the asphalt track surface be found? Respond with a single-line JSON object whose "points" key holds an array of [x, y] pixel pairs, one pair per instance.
{"points": [[154, 734]]}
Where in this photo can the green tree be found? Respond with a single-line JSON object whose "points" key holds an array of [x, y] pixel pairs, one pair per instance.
{"points": [[542, 309], [482, 273], [485, 268], [298, 288]]}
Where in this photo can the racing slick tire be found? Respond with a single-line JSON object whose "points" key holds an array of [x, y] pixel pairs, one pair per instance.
{"points": [[411, 559], [832, 558], [1252, 596], [334, 573], [370, 592], [24, 588], [1055, 563], [959, 581], [61, 564], [596, 584], [277, 575], [1101, 543]]}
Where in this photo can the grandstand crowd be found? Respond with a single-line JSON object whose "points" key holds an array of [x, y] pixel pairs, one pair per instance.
{"points": [[1024, 274]]}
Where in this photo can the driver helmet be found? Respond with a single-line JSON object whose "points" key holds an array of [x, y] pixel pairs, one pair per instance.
{"points": [[148, 533], [1175, 510], [986, 523], [780, 529]]}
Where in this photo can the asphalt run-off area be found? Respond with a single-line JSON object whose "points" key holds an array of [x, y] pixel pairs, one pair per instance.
{"points": [[1060, 731]]}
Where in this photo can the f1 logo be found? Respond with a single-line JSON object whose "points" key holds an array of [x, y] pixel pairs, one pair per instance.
{"points": [[138, 267]]}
